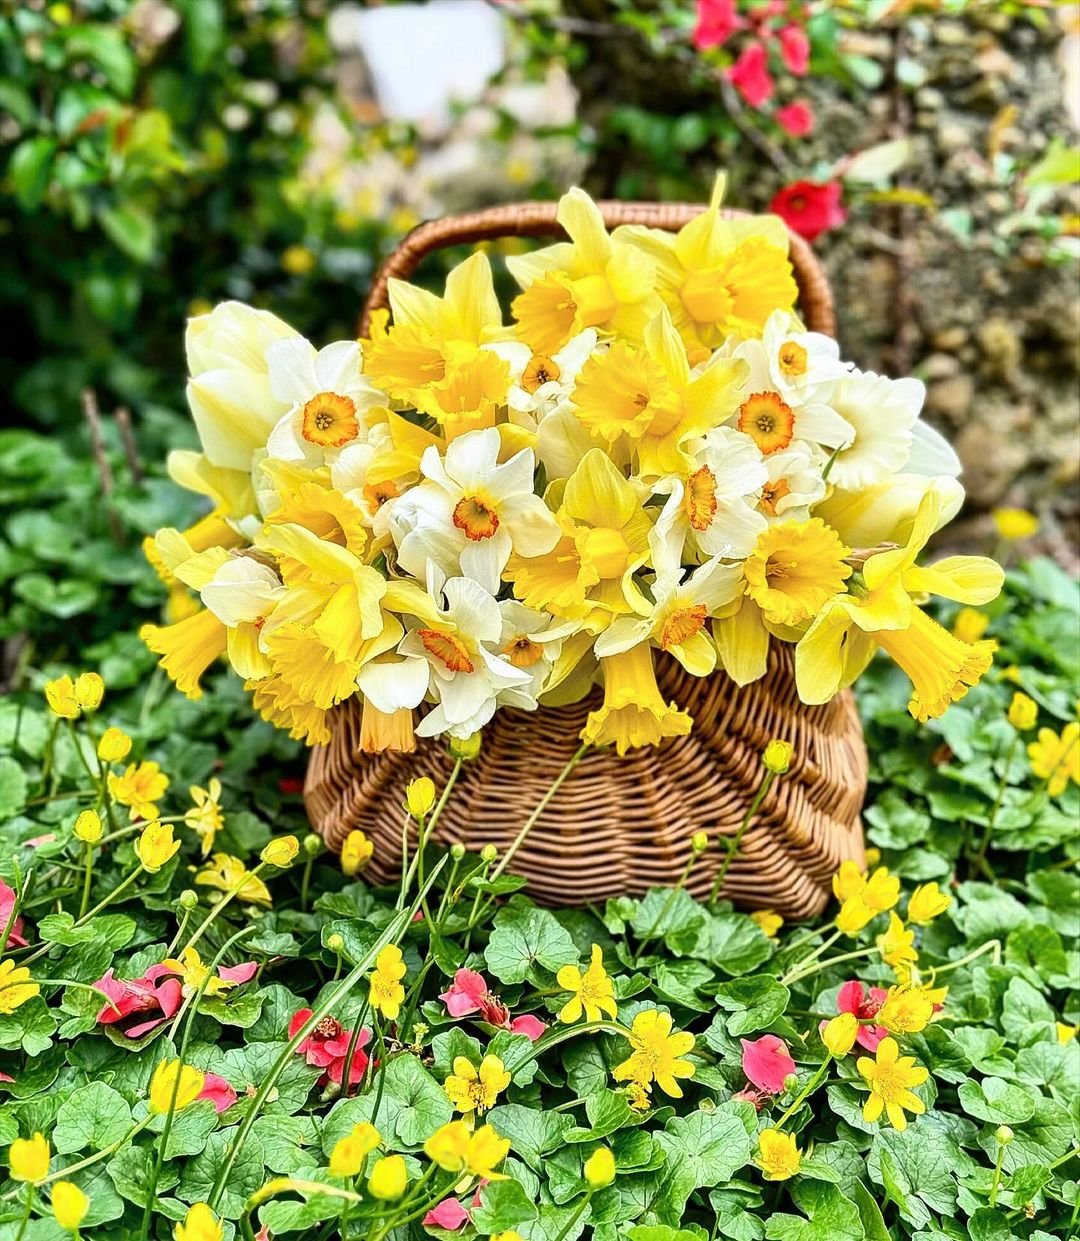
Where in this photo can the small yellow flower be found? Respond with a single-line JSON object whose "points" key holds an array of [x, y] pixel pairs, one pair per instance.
{"points": [[60, 695], [156, 846], [1056, 759], [88, 827], [473, 1090], [854, 915], [456, 1148], [1066, 1033], [848, 881], [592, 991], [16, 986], [356, 852], [1011, 672], [297, 260], [139, 788], [927, 901], [114, 746], [1015, 523], [768, 921], [600, 1168], [840, 1033], [777, 756], [28, 1159], [227, 874], [970, 624], [200, 1224], [778, 1157], [897, 945], [656, 1053], [1023, 712], [420, 797], [511, 1234], [69, 1205], [890, 1078], [204, 817], [281, 852], [190, 969], [89, 691], [388, 1178], [164, 1081], [387, 994], [905, 1010], [699, 842], [347, 1157], [878, 891]]}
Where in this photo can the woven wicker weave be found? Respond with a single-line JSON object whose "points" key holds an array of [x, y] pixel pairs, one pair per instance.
{"points": [[621, 825]]}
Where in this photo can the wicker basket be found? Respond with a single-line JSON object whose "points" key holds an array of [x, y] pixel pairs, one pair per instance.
{"points": [[618, 826]]}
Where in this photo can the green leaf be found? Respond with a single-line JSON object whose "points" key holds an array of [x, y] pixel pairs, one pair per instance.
{"points": [[533, 1134], [525, 936], [113, 930], [30, 1027], [416, 1105], [92, 1118], [106, 47], [12, 788], [997, 1101], [290, 1143], [831, 1216], [503, 1205], [707, 1147], [754, 1003], [31, 163], [245, 1176], [736, 944], [607, 1111], [190, 1129], [131, 229], [130, 1170]]}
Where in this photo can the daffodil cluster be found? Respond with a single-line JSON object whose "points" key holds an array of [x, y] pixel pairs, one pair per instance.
{"points": [[652, 459]]}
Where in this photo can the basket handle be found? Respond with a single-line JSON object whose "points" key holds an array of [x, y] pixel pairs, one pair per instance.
{"points": [[537, 219]]}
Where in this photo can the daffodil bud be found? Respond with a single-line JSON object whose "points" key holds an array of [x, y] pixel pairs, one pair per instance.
{"points": [[420, 797], [699, 842], [777, 757], [600, 1168], [488, 854], [465, 748]]}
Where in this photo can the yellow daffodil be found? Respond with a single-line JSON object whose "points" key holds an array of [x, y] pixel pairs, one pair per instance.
{"points": [[16, 986], [768, 920], [890, 1077], [156, 846], [897, 945], [114, 746], [69, 1205], [970, 624], [89, 691], [279, 704], [457, 1148], [386, 730], [473, 1091], [634, 712], [187, 648], [1023, 712], [599, 1169], [204, 817], [656, 1053], [1056, 759], [60, 695], [879, 611], [386, 992], [1015, 523], [88, 827], [926, 902], [28, 1159], [778, 1157], [229, 874], [200, 1224], [140, 787], [420, 796], [840, 1033], [356, 852], [349, 1153], [281, 852], [905, 1010], [170, 1075], [592, 990]]}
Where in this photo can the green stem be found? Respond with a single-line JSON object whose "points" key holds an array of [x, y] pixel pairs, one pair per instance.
{"points": [[96, 1157], [406, 882], [122, 886], [22, 886], [733, 847], [88, 873], [824, 946], [807, 1090], [354, 1038], [995, 1185], [27, 1208], [564, 1231], [555, 1037], [208, 921], [541, 806], [818, 966], [1003, 784], [305, 882], [665, 908], [991, 945], [185, 918]]}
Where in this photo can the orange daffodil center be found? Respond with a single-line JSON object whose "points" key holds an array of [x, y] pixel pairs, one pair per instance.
{"points": [[329, 420]]}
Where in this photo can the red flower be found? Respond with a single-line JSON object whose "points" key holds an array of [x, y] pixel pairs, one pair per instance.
{"points": [[796, 119], [138, 1005], [327, 1046], [810, 209], [750, 75], [766, 1063], [218, 1091], [290, 786], [854, 998], [716, 23], [795, 49], [15, 937], [469, 993]]}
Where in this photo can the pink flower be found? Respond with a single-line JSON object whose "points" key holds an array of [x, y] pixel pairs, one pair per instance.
{"points": [[218, 1091], [15, 938], [796, 119], [756, 1097], [532, 1027], [243, 972], [750, 75], [138, 1005], [716, 23], [795, 49], [449, 1214], [327, 1046], [766, 1063], [469, 994], [810, 209], [854, 998], [35, 842], [4, 1077]]}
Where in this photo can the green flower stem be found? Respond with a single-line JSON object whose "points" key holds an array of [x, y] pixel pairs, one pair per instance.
{"points": [[991, 945], [50, 744], [74, 795], [564, 1231], [394, 929], [210, 918], [411, 1212], [404, 1022], [88, 874], [818, 966], [354, 1038], [824, 946], [305, 881], [79, 751], [166, 1129], [79, 986], [282, 1185], [666, 908], [96, 1157], [406, 882], [103, 777], [807, 1090], [27, 1208], [22, 887], [557, 1036], [541, 806], [733, 846], [121, 832], [980, 857], [380, 1055], [995, 1184], [185, 918], [122, 886]]}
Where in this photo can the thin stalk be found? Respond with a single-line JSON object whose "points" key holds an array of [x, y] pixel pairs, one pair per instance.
{"points": [[354, 1038], [665, 908], [991, 945], [541, 806], [824, 946], [818, 966], [564, 1231], [733, 847], [27, 1208], [96, 1157], [88, 873], [22, 886], [406, 882], [806, 1091], [122, 886], [226, 900], [1003, 784]]}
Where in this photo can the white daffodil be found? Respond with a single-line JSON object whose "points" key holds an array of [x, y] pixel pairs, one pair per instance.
{"points": [[326, 398], [882, 413], [676, 621], [801, 366], [360, 472], [794, 483], [465, 677], [541, 384], [532, 642], [471, 512]]}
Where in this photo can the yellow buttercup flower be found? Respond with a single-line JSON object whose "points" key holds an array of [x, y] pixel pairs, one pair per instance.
{"points": [[634, 712], [386, 993], [473, 1090], [89, 691], [890, 1077], [778, 1156], [1015, 523], [905, 1010], [228, 874], [28, 1159], [840, 1033], [281, 852], [599, 1169], [190, 969], [420, 796], [114, 746], [457, 1148], [88, 827], [656, 1053], [170, 1075], [60, 695], [970, 624], [1023, 712], [200, 1224], [297, 260], [854, 915], [69, 1205], [187, 648], [926, 902], [356, 852], [349, 1153], [777, 757], [1056, 759], [156, 846], [511, 1234], [897, 945], [1065, 1033], [848, 881], [878, 891], [768, 921], [16, 986], [140, 787], [204, 817], [388, 1178], [593, 993]]}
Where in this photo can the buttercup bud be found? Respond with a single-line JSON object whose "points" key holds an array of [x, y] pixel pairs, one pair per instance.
{"points": [[465, 748], [356, 852], [1023, 712], [188, 899], [1004, 1134], [88, 827], [488, 854], [114, 746], [420, 797], [791, 1082], [777, 757], [313, 845], [281, 852], [600, 1168], [335, 942], [699, 842], [89, 691], [457, 850]]}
